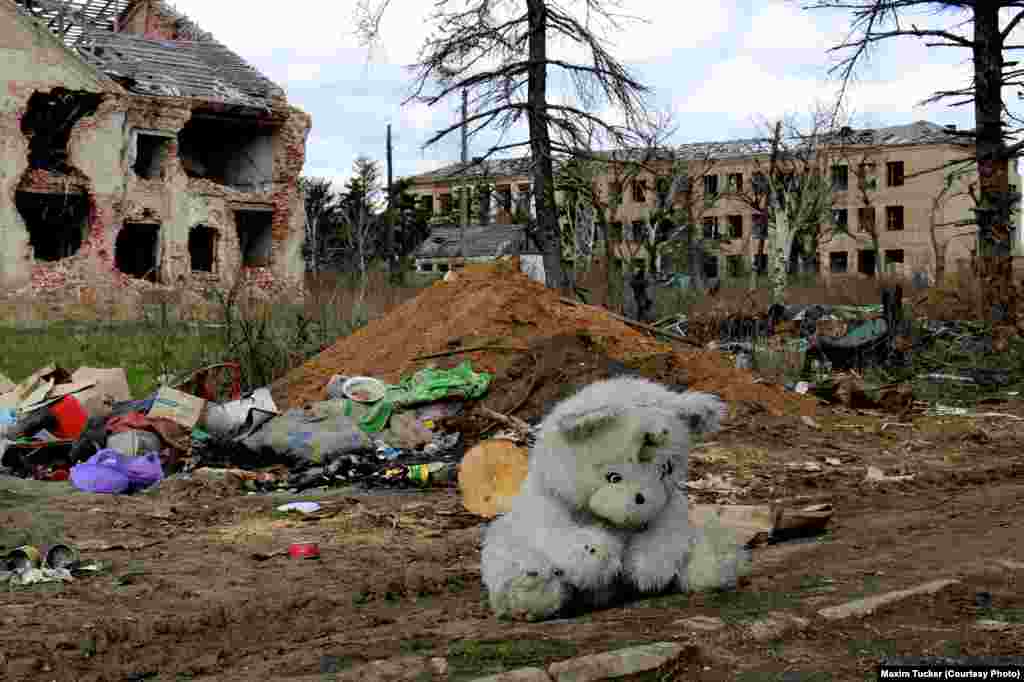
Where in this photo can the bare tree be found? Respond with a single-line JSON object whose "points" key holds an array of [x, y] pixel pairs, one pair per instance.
{"points": [[498, 50], [952, 187], [321, 204], [359, 214], [971, 25], [800, 198]]}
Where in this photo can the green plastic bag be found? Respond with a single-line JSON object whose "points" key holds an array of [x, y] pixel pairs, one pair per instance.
{"points": [[425, 386]]}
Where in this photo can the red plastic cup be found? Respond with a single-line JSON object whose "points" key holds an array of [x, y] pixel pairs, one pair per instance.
{"points": [[71, 417], [304, 550]]}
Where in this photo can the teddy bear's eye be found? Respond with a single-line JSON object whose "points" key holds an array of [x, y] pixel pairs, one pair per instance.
{"points": [[613, 478]]}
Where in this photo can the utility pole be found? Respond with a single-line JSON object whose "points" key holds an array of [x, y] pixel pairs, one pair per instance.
{"points": [[389, 223], [464, 192]]}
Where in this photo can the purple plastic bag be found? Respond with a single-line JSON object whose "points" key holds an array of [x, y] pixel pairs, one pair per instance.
{"points": [[110, 472], [144, 471]]}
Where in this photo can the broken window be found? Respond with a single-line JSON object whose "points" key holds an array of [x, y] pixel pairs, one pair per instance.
{"points": [[894, 217], [711, 227], [735, 182], [484, 197], [137, 250], [866, 262], [233, 152], [254, 236], [426, 267], [150, 153], [734, 266], [202, 248], [838, 262], [505, 197], [57, 223], [47, 124], [893, 257], [894, 173], [735, 226], [710, 189], [841, 219], [840, 178], [710, 266]]}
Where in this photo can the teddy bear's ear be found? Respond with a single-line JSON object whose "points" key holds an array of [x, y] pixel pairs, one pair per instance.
{"points": [[581, 424], [703, 412]]}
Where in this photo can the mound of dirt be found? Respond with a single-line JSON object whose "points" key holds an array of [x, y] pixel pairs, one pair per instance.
{"points": [[538, 347]]}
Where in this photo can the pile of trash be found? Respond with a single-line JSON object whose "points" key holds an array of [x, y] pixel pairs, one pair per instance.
{"points": [[85, 427]]}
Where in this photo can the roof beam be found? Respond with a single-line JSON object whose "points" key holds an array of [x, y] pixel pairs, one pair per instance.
{"points": [[65, 9]]}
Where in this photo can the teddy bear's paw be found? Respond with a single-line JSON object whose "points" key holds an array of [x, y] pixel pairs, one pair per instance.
{"points": [[533, 596]]}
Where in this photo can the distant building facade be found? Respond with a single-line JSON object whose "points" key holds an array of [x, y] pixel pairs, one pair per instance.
{"points": [[879, 185]]}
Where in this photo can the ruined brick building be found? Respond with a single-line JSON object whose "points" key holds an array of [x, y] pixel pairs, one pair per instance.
{"points": [[138, 154]]}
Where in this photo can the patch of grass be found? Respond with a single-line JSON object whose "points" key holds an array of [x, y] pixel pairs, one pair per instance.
{"points": [[132, 572], [417, 646], [470, 658], [455, 583], [871, 648], [47, 528], [738, 606], [1003, 615], [815, 582], [952, 648], [361, 598]]}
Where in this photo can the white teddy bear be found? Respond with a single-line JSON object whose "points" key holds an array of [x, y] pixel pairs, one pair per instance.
{"points": [[601, 515]]}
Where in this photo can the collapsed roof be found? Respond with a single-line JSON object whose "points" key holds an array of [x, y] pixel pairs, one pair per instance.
{"points": [[475, 241], [193, 65]]}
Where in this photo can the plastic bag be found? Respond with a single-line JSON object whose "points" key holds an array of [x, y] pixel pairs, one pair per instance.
{"points": [[304, 439], [110, 472]]}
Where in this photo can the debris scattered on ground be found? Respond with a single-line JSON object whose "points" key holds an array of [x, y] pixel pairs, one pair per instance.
{"points": [[876, 475]]}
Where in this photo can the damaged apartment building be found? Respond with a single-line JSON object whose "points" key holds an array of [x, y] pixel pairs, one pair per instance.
{"points": [[138, 154]]}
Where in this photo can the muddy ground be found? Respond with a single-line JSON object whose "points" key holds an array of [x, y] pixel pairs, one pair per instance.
{"points": [[190, 592]]}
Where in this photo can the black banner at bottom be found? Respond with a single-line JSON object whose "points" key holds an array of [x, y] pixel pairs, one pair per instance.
{"points": [[989, 669]]}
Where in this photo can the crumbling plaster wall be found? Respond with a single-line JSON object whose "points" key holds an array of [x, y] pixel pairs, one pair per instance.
{"points": [[31, 59], [101, 152]]}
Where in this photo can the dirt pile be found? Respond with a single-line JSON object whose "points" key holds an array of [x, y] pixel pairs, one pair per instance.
{"points": [[538, 347]]}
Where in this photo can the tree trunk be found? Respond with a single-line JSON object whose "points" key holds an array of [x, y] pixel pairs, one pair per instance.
{"points": [[543, 173], [995, 243]]}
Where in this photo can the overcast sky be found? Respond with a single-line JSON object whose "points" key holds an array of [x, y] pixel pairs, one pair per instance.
{"points": [[722, 72]]}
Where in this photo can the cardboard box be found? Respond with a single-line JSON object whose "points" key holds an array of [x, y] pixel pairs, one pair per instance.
{"points": [[181, 408]]}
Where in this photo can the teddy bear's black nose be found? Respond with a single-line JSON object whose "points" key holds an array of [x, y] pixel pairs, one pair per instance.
{"points": [[639, 498]]}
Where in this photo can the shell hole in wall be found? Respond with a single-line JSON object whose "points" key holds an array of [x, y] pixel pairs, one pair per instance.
{"points": [[57, 223], [47, 123], [137, 251], [151, 152], [238, 152]]}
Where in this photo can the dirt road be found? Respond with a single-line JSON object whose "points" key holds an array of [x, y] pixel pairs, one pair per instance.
{"points": [[190, 592]]}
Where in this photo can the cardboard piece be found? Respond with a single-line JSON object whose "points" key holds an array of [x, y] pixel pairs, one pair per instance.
{"points": [[181, 408], [754, 523], [45, 387], [110, 385], [490, 476]]}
